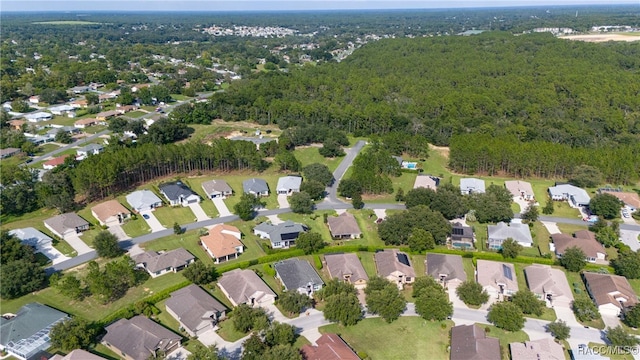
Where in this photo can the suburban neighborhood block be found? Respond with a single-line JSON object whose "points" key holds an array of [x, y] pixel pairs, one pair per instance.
{"points": [[223, 243], [66, 224], [497, 278], [282, 236], [344, 226], [347, 268], [160, 263], [502, 231], [110, 213], [298, 275], [195, 310], [471, 342], [143, 200], [217, 189], [246, 287], [395, 266], [27, 333], [139, 338]]}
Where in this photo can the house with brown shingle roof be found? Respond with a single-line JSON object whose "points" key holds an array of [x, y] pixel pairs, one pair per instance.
{"points": [[77, 354], [344, 226], [160, 263], [246, 287], [631, 200], [546, 349], [470, 342], [139, 337], [584, 240], [611, 293], [394, 266], [195, 310], [84, 123], [497, 278], [548, 284], [447, 269], [217, 189], [223, 243], [110, 213], [328, 347], [347, 268]]}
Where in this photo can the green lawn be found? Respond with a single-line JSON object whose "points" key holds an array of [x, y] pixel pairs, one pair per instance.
{"points": [[310, 155], [188, 241], [366, 222], [180, 97], [368, 263], [505, 337], [43, 149], [578, 288], [166, 319], [103, 351], [137, 227], [228, 332], [168, 215], [404, 181], [135, 114], [315, 222], [413, 338], [469, 269], [541, 238], [570, 228], [417, 262]]}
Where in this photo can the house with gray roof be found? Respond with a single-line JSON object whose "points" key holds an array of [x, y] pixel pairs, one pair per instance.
{"points": [[573, 194], [77, 354], [470, 342], [9, 152], [447, 269], [502, 231], [143, 200], [139, 338], [179, 194], [27, 333], [288, 185], [31, 237], [38, 116], [298, 275], [282, 236], [160, 263], [91, 149], [66, 224], [471, 186], [246, 287], [347, 268], [256, 187], [195, 310], [217, 189], [395, 266], [344, 226]]}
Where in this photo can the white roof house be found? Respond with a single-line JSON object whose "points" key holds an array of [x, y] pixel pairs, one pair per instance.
{"points": [[60, 109], [38, 116], [502, 231], [31, 236], [143, 200], [575, 195], [471, 186], [287, 185]]}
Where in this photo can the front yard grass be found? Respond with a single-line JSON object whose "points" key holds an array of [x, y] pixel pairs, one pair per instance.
{"points": [[228, 332], [188, 241], [578, 288], [541, 238], [571, 228], [413, 338], [168, 215], [505, 337], [137, 227], [135, 114]]}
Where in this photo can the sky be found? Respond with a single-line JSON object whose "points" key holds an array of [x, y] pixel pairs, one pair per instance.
{"points": [[258, 5]]}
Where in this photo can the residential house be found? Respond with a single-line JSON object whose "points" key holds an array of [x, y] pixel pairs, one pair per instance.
{"points": [[427, 182], [179, 194], [91, 149], [31, 237], [520, 189], [195, 310], [35, 99], [328, 347], [470, 342], [282, 236], [612, 293], [497, 278], [288, 185], [344, 226], [110, 213], [66, 224], [9, 152], [143, 200], [217, 189], [79, 103], [584, 240], [139, 338], [106, 115], [160, 263], [535, 350], [630, 199], [223, 243], [502, 231], [246, 287], [27, 333], [256, 187], [461, 236], [471, 186], [61, 109], [77, 354], [298, 275], [394, 266], [573, 194], [447, 269], [348, 268], [51, 164], [549, 284], [123, 109], [16, 124], [57, 128], [85, 123], [38, 116], [80, 89]]}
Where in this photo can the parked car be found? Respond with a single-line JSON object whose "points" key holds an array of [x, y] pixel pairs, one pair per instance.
{"points": [[145, 216]]}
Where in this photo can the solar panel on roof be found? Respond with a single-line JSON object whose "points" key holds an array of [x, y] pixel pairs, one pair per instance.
{"points": [[506, 270], [403, 258]]}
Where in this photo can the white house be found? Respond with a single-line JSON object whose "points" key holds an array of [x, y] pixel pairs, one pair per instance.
{"points": [[288, 185], [38, 116], [471, 186], [575, 195]]}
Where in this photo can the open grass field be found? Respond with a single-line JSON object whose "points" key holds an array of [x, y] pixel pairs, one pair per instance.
{"points": [[309, 155], [413, 338]]}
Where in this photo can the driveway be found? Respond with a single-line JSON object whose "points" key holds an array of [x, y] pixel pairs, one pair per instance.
{"points": [[52, 253], [198, 212], [77, 244], [275, 313], [221, 206], [178, 354], [118, 232], [610, 320], [630, 237], [380, 213], [521, 202], [275, 220], [552, 227], [283, 203], [152, 221]]}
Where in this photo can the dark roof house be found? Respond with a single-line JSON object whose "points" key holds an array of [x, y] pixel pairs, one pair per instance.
{"points": [[470, 342], [156, 263], [139, 337], [255, 186], [446, 268], [344, 226], [298, 275], [461, 236], [179, 194], [282, 235]]}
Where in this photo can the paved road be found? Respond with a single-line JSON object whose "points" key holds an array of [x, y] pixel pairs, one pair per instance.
{"points": [[69, 146], [332, 191]]}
